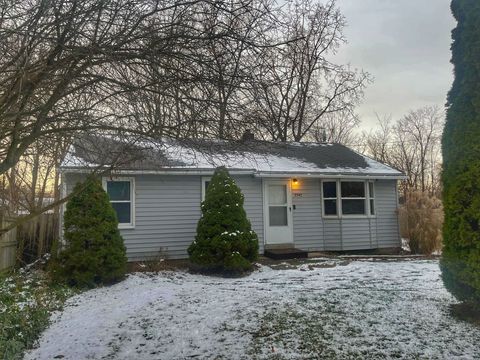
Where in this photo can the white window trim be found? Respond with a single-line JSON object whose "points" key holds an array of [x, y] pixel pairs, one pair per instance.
{"points": [[371, 198], [204, 180], [339, 199], [130, 225]]}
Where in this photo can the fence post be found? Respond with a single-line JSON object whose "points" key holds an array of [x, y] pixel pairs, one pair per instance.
{"points": [[8, 245], [42, 234]]}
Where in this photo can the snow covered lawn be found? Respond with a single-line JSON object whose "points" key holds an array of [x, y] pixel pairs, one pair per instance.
{"points": [[321, 309]]}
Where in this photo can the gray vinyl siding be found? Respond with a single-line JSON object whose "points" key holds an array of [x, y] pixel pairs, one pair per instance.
{"points": [[333, 234], [71, 180], [252, 189], [356, 233], [307, 216], [167, 209], [388, 233]]}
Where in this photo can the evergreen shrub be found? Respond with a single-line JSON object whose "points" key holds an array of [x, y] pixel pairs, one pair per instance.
{"points": [[94, 252], [225, 240]]}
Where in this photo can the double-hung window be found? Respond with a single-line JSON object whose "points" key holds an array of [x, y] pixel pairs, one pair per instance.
{"points": [[121, 193], [353, 197], [348, 198]]}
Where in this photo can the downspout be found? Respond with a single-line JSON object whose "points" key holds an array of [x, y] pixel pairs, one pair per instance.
{"points": [[397, 215]]}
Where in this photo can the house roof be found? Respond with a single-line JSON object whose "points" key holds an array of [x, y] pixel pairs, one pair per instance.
{"points": [[262, 158]]}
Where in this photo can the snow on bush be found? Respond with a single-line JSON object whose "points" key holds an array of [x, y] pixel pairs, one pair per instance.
{"points": [[225, 240]]}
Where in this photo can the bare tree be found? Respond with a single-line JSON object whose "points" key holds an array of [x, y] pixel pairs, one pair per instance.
{"points": [[195, 69], [423, 129], [411, 144], [68, 65], [298, 86], [336, 127], [57, 58], [71, 66], [377, 143], [233, 59]]}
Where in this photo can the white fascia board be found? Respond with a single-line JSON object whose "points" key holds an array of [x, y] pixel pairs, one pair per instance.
{"points": [[331, 176], [208, 172], [159, 172]]}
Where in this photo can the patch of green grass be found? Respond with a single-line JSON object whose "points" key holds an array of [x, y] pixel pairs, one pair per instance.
{"points": [[309, 328], [293, 328], [27, 298]]}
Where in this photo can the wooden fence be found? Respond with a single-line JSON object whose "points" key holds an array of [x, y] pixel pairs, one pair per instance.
{"points": [[27, 242], [8, 245], [36, 237]]}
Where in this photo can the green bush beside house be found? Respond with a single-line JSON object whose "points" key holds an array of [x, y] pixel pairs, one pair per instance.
{"points": [[94, 253], [225, 240]]}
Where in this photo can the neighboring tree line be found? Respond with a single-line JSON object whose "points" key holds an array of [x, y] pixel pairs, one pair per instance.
{"points": [[411, 144]]}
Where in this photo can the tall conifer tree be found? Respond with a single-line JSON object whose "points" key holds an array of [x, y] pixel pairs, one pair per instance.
{"points": [[461, 154]]}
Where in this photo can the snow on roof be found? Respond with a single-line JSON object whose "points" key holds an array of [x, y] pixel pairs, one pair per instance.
{"points": [[261, 157]]}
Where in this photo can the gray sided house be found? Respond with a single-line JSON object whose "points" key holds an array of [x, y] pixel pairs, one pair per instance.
{"points": [[311, 196]]}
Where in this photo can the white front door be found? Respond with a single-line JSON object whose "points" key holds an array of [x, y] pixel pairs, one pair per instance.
{"points": [[278, 212]]}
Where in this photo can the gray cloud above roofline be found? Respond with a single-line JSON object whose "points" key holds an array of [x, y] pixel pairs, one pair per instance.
{"points": [[405, 45]]}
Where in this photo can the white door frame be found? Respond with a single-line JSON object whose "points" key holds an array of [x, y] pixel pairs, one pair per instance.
{"points": [[288, 230]]}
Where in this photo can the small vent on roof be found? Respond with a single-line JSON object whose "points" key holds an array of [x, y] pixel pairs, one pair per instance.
{"points": [[248, 136]]}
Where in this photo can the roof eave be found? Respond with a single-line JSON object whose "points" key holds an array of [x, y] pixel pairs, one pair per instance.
{"points": [[260, 174], [320, 175], [165, 171]]}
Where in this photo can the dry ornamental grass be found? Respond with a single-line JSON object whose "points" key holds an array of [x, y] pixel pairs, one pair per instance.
{"points": [[421, 221]]}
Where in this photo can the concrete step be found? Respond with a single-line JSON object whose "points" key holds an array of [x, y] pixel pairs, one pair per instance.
{"points": [[285, 253]]}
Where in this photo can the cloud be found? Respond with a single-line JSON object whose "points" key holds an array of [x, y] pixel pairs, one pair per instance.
{"points": [[405, 45]]}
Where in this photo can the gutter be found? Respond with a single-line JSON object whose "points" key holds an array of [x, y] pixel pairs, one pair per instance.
{"points": [[331, 175], [259, 174], [64, 170]]}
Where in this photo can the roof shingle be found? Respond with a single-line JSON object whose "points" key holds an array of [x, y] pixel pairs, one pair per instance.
{"points": [[147, 154]]}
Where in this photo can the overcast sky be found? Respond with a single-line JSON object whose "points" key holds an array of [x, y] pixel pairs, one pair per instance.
{"points": [[405, 46]]}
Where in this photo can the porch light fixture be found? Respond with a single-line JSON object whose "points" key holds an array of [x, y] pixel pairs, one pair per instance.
{"points": [[295, 184]]}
